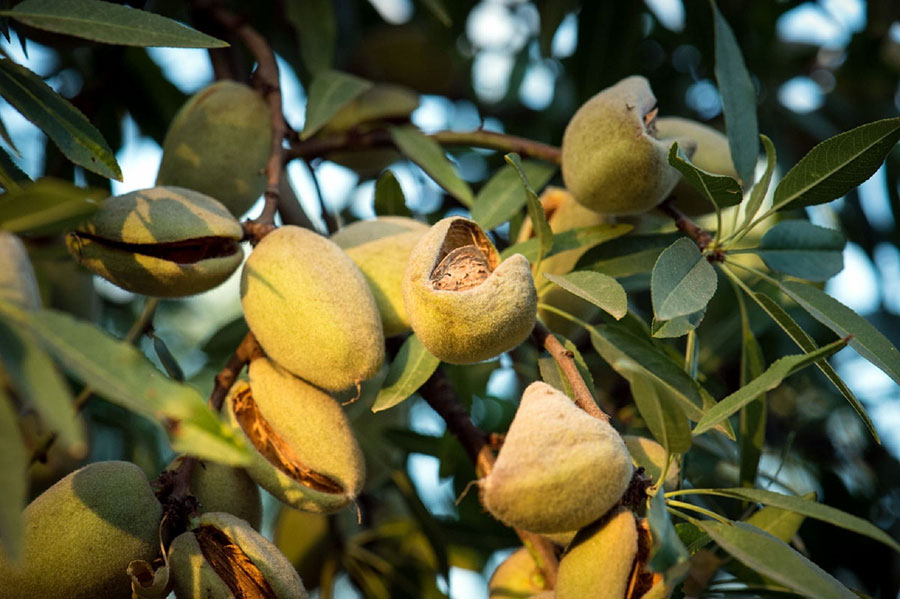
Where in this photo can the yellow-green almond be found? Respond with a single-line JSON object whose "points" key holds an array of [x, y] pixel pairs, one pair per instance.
{"points": [[559, 468], [462, 302], [599, 561], [652, 456], [223, 558], [162, 241], [311, 309], [221, 488], [18, 284], [517, 577], [306, 453], [81, 534], [380, 248], [219, 144], [612, 161]]}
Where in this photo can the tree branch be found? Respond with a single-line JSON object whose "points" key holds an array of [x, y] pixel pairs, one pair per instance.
{"points": [[684, 224]]}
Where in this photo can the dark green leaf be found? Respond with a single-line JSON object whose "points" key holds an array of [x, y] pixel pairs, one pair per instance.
{"points": [[166, 358], [758, 194], [429, 155], [774, 559], [542, 231], [630, 255], [109, 23], [389, 198], [738, 99], [721, 190], [409, 371], [316, 27], [837, 165], [502, 196], [583, 237], [601, 290], [661, 412], [668, 550], [430, 527], [683, 281], [768, 380], [11, 176], [752, 427], [678, 326], [437, 8], [328, 93], [802, 249], [4, 134], [47, 206], [13, 480], [54, 115]]}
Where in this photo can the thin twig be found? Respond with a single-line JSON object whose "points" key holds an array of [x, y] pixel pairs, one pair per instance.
{"points": [[684, 224], [246, 351]]}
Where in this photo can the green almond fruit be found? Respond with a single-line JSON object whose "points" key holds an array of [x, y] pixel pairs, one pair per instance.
{"points": [[462, 302], [311, 309], [81, 534], [224, 558], [652, 456], [306, 454], [517, 577], [612, 161], [221, 488], [559, 468], [381, 248], [219, 144], [18, 284], [162, 241]]}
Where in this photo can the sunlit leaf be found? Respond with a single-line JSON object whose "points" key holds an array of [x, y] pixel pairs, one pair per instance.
{"points": [[503, 195], [429, 155], [597, 288], [328, 93], [583, 237], [47, 206], [678, 326], [761, 188], [389, 198], [683, 281], [542, 232], [720, 190], [409, 371]]}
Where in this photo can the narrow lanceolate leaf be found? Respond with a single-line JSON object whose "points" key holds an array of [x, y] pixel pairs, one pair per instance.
{"points": [[721, 190], [389, 198], [837, 165], [583, 237], [668, 550], [774, 559], [768, 380], [738, 99], [752, 426], [630, 255], [168, 361], [109, 23], [758, 194], [867, 340], [409, 371], [13, 480], [502, 196], [429, 155], [779, 523], [682, 281], [542, 231], [4, 134], [802, 249], [316, 27], [328, 93], [55, 116], [601, 290], [120, 373], [48, 206], [809, 508], [661, 412], [11, 176]]}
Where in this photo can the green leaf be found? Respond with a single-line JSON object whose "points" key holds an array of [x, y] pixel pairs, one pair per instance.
{"points": [[11, 176], [542, 231], [4, 134], [683, 281], [867, 340], [166, 358], [48, 206], [502, 196], [752, 427], [437, 8], [668, 551], [410, 369], [630, 255], [389, 198], [429, 525], [721, 190], [55, 116], [661, 412], [123, 375], [316, 28], [601, 290], [109, 23], [738, 99], [328, 93], [778, 522], [583, 237], [678, 326], [758, 194], [837, 165], [13, 480], [774, 559], [429, 155], [768, 380], [802, 249]]}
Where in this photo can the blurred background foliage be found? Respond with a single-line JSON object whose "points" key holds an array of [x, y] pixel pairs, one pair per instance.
{"points": [[523, 68]]}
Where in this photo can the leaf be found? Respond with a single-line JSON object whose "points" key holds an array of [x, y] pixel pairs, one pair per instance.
{"points": [[601, 290], [437, 8], [502, 196], [808, 508], [55, 116], [778, 522], [630, 255], [13, 480], [316, 27], [721, 190], [837, 165], [328, 93], [410, 369], [11, 176], [109, 23], [867, 340], [738, 99], [48, 206], [389, 198], [752, 427], [668, 550], [123, 375], [430, 527], [583, 237], [768, 380], [661, 412], [542, 231], [678, 326], [802, 249], [166, 358], [683, 281], [429, 155], [774, 559], [4, 134], [761, 188]]}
